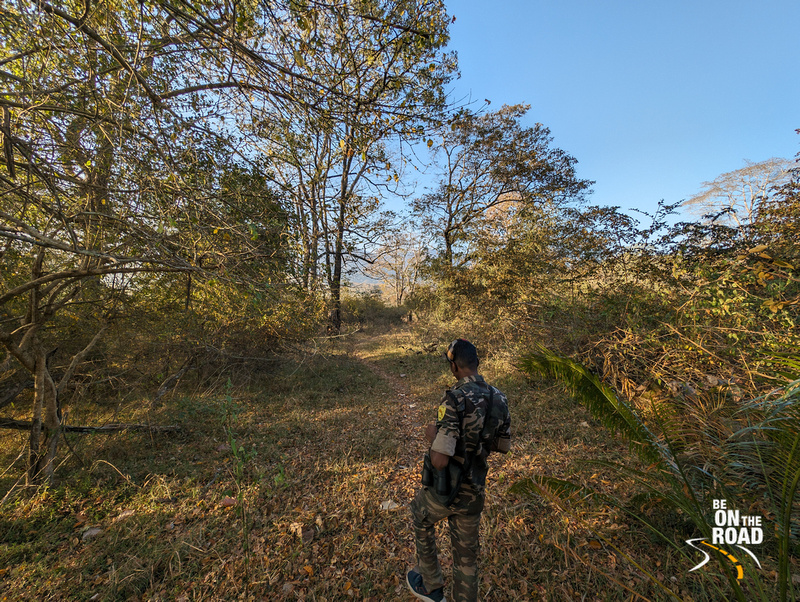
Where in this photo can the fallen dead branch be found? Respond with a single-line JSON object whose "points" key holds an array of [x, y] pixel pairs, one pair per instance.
{"points": [[22, 425]]}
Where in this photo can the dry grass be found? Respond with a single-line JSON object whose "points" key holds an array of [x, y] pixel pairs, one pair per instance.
{"points": [[326, 438]]}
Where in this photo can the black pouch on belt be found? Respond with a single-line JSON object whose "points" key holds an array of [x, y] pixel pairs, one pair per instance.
{"points": [[445, 483]]}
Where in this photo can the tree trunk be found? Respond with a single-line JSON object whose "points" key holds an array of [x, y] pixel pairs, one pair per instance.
{"points": [[314, 250], [46, 423], [448, 249], [336, 285], [338, 256]]}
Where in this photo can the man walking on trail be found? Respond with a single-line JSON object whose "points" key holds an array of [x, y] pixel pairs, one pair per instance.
{"points": [[473, 420]]}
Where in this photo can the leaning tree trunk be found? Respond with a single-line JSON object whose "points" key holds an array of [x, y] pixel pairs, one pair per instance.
{"points": [[46, 423], [335, 314]]}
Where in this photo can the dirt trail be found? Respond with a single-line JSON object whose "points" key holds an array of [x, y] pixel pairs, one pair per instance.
{"points": [[405, 407]]}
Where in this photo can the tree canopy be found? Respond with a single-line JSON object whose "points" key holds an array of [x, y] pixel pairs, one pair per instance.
{"points": [[140, 141], [493, 163]]}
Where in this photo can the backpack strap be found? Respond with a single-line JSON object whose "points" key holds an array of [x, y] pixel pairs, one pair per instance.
{"points": [[460, 412], [484, 435]]}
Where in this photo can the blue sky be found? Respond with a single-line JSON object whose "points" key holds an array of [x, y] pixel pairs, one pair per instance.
{"points": [[652, 98]]}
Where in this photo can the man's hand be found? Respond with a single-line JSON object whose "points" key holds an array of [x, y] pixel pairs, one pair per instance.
{"points": [[430, 432], [438, 460]]}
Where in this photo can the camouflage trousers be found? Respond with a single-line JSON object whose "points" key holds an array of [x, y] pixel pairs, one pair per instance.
{"points": [[464, 518]]}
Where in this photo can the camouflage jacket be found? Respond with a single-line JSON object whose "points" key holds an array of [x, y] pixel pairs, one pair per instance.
{"points": [[461, 418]]}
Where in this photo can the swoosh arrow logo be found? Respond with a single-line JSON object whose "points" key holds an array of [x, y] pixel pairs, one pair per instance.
{"points": [[707, 557], [736, 563]]}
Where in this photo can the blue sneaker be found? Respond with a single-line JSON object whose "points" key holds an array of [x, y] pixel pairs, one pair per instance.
{"points": [[417, 587]]}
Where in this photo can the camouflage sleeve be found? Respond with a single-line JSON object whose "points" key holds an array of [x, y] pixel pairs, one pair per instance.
{"points": [[448, 428], [503, 441]]}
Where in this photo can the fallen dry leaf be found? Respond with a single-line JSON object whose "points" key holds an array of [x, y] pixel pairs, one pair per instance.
{"points": [[123, 515], [306, 534], [91, 533]]}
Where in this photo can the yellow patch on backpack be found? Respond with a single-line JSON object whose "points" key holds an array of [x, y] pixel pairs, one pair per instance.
{"points": [[442, 410]]}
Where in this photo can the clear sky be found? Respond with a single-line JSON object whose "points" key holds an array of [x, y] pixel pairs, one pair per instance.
{"points": [[652, 98]]}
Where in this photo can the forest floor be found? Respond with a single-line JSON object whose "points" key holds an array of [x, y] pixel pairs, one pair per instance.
{"points": [[296, 485]]}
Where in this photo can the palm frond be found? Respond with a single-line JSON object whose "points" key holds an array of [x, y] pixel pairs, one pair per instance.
{"points": [[790, 361], [601, 401], [769, 449]]}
